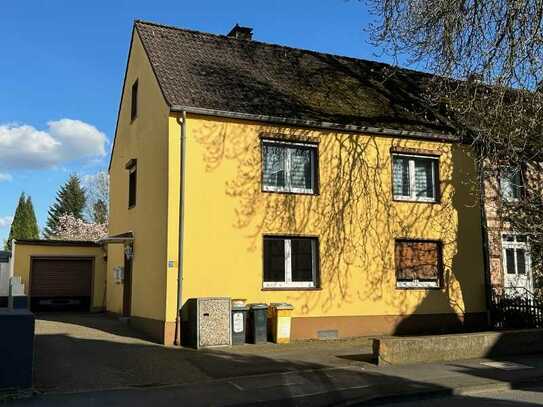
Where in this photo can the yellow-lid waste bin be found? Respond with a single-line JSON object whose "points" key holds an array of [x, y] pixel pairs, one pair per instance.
{"points": [[281, 315]]}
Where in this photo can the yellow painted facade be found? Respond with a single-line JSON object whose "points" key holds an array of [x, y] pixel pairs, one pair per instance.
{"points": [[25, 252], [114, 297], [146, 140], [354, 217], [227, 214]]}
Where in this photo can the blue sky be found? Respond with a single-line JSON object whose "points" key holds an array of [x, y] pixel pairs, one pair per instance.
{"points": [[63, 62]]}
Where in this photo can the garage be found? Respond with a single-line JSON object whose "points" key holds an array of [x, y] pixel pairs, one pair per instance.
{"points": [[61, 283]]}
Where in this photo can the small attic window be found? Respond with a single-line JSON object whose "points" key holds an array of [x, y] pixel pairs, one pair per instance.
{"points": [[132, 167], [134, 105]]}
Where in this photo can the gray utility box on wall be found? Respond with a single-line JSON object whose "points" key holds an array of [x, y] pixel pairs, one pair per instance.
{"points": [[206, 322]]}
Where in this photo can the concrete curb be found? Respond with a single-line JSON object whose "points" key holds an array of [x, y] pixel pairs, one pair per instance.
{"points": [[144, 386], [376, 394], [439, 393]]}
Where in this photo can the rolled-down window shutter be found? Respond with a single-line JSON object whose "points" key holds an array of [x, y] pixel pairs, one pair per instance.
{"points": [[417, 260]]}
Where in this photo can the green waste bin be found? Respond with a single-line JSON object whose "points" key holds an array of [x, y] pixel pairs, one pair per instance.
{"points": [[239, 324], [258, 323]]}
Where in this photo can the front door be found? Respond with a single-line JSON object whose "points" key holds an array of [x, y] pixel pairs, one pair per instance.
{"points": [[516, 264], [127, 286]]}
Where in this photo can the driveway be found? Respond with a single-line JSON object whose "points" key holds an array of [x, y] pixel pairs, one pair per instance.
{"points": [[76, 352]]}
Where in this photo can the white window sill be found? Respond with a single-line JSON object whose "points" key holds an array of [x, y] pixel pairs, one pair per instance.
{"points": [[414, 199], [417, 284], [298, 284], [288, 190]]}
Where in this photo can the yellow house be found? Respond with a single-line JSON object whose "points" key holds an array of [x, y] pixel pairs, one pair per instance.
{"points": [[272, 174]]}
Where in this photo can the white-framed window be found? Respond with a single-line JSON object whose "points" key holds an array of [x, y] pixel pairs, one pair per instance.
{"points": [[418, 263], [516, 254], [510, 184], [290, 262], [289, 167], [414, 178]]}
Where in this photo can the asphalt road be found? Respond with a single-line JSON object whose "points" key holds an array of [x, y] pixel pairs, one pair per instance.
{"points": [[528, 396], [89, 360]]}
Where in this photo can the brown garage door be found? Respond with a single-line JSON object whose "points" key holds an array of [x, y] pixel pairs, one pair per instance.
{"points": [[60, 283]]}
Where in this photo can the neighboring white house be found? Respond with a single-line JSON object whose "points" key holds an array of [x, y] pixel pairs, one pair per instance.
{"points": [[5, 268]]}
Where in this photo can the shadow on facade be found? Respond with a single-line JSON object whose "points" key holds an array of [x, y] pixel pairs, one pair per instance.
{"points": [[357, 220]]}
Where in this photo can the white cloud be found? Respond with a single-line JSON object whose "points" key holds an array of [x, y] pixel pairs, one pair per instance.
{"points": [[65, 140], [5, 222], [5, 177]]}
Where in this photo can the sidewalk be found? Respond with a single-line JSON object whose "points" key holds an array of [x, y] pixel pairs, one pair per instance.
{"points": [[90, 360], [347, 385]]}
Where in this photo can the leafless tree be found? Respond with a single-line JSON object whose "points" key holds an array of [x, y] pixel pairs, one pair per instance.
{"points": [[487, 61], [97, 192]]}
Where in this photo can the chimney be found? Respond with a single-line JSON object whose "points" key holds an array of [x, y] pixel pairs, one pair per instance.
{"points": [[241, 33]]}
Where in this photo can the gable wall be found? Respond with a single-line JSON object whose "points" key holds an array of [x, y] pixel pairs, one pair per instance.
{"points": [[145, 139]]}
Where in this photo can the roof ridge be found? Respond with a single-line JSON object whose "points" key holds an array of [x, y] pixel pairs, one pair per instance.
{"points": [[280, 46]]}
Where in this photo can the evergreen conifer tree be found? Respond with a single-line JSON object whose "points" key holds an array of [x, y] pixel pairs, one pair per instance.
{"points": [[70, 200], [24, 225], [33, 229]]}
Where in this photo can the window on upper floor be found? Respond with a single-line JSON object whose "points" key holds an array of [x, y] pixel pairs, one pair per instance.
{"points": [[418, 263], [510, 184], [132, 182], [289, 167], [134, 101], [290, 262], [415, 178]]}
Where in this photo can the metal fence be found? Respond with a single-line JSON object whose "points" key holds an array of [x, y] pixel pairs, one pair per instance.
{"points": [[514, 312]]}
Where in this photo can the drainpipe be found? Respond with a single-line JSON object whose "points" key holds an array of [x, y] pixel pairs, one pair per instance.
{"points": [[182, 121], [486, 247]]}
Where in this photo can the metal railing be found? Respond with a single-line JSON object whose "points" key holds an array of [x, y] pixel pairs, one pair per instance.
{"points": [[514, 311]]}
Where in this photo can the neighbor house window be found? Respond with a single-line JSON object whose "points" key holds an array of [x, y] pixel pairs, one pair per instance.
{"points": [[290, 262], [415, 178], [516, 254], [132, 182], [289, 167], [510, 184], [418, 263], [134, 104]]}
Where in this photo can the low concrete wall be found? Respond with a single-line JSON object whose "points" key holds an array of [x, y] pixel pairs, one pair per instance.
{"points": [[16, 349], [437, 348]]}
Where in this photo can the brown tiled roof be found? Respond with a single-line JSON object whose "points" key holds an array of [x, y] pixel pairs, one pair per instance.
{"points": [[201, 70]]}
